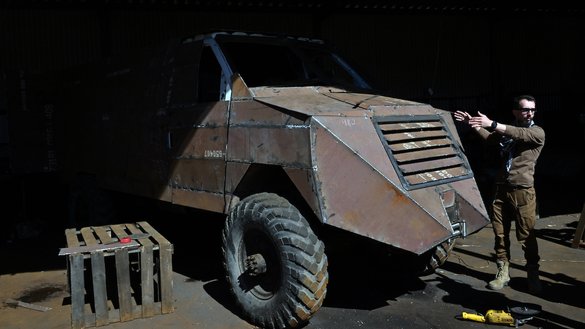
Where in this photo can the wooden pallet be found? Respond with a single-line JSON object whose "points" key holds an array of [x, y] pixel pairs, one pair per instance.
{"points": [[141, 269]]}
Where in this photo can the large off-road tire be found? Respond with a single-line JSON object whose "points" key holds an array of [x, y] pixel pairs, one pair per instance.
{"points": [[275, 265]]}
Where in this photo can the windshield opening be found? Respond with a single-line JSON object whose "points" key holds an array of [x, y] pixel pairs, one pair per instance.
{"points": [[288, 64]]}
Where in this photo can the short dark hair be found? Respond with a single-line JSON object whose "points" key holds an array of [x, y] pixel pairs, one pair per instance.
{"points": [[517, 100]]}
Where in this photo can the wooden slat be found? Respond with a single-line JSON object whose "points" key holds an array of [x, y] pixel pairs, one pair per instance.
{"points": [[146, 272], [166, 267], [88, 237], [147, 278], [98, 275], [76, 281], [103, 235], [71, 237], [77, 291], [119, 231], [137, 231], [154, 233], [166, 277], [123, 279], [123, 276], [100, 295]]}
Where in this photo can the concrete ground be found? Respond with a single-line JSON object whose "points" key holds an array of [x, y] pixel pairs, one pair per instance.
{"points": [[369, 295]]}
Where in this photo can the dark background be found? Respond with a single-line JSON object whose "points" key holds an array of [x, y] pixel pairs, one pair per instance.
{"points": [[454, 55]]}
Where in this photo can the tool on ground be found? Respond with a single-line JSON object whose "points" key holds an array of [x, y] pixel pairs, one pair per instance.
{"points": [[514, 317], [491, 316], [15, 303], [524, 313]]}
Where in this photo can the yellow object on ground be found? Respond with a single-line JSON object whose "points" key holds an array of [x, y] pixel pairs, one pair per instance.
{"points": [[491, 316]]}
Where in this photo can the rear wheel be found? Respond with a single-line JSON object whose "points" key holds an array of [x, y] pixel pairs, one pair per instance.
{"points": [[275, 265]]}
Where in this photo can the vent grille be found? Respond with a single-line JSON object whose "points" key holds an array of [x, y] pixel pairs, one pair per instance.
{"points": [[422, 150]]}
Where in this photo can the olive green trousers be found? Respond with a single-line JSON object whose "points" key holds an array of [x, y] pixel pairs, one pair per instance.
{"points": [[515, 204]]}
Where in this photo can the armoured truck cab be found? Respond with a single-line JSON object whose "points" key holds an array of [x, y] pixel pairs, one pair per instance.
{"points": [[280, 134]]}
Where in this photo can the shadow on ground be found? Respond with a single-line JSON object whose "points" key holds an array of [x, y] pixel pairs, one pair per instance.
{"points": [[480, 300]]}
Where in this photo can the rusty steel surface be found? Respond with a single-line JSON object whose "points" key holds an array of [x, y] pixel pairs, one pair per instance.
{"points": [[385, 212], [374, 202]]}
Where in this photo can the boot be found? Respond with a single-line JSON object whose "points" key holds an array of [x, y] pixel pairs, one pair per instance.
{"points": [[502, 277], [534, 285]]}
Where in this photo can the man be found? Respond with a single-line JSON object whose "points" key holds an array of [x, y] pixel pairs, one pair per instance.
{"points": [[515, 198]]}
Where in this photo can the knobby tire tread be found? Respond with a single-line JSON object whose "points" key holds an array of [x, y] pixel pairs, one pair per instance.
{"points": [[304, 261]]}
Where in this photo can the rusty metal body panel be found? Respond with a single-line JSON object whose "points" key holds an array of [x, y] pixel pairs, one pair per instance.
{"points": [[196, 125], [365, 194]]}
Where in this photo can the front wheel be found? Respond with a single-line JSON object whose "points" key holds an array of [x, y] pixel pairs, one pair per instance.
{"points": [[275, 265], [437, 256]]}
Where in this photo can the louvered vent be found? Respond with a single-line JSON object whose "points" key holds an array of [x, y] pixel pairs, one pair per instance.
{"points": [[422, 150]]}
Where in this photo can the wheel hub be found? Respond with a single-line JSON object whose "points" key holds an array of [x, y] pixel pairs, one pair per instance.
{"points": [[255, 264]]}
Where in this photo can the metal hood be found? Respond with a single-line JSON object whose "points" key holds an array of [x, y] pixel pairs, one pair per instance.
{"points": [[386, 168]]}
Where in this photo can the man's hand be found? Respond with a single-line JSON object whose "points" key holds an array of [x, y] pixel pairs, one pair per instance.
{"points": [[462, 116], [480, 121], [467, 118], [477, 122]]}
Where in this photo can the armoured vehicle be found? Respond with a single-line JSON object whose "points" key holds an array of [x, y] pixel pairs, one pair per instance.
{"points": [[284, 137]]}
